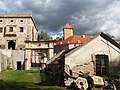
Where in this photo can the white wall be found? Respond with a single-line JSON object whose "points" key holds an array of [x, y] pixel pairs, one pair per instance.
{"points": [[82, 56], [10, 58]]}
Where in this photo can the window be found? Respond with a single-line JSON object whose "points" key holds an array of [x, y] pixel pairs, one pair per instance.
{"points": [[102, 65], [39, 44], [20, 48], [11, 20], [21, 29], [21, 20], [0, 20], [11, 29], [71, 72], [1, 29]]}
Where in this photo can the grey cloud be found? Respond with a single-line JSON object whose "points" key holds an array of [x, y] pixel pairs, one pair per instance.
{"points": [[85, 16]]}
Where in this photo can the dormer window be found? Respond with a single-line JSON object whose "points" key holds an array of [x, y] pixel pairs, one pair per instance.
{"points": [[78, 41], [83, 36]]}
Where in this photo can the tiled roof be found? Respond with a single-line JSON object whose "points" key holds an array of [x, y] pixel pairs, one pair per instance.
{"points": [[15, 15], [74, 40], [67, 25]]}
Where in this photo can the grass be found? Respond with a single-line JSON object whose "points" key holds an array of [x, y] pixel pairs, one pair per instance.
{"points": [[24, 80]]}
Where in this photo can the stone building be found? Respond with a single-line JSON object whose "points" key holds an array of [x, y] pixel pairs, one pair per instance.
{"points": [[15, 29], [98, 56], [37, 53]]}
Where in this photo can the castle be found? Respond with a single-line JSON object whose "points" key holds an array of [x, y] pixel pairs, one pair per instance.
{"points": [[15, 29]]}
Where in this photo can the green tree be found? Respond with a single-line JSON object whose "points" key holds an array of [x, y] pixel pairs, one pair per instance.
{"points": [[43, 36]]}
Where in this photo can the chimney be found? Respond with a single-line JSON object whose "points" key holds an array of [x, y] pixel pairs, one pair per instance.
{"points": [[67, 41], [83, 36], [78, 41]]}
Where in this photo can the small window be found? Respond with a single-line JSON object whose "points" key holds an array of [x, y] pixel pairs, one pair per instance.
{"points": [[0, 20], [21, 20], [11, 29], [48, 45], [1, 29], [39, 44], [11, 20], [20, 48], [21, 29], [71, 72]]}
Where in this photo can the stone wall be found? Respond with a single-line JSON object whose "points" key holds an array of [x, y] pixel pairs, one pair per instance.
{"points": [[55, 73], [9, 59]]}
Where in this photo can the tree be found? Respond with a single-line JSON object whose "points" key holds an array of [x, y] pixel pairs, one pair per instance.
{"points": [[43, 36]]}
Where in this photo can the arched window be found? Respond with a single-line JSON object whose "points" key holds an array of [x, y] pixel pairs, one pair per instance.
{"points": [[11, 44]]}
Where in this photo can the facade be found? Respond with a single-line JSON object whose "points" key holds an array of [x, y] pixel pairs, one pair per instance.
{"points": [[11, 59], [98, 56], [15, 29], [37, 53]]}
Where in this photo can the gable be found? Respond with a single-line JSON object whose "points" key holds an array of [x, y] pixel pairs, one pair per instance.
{"points": [[103, 37], [98, 45]]}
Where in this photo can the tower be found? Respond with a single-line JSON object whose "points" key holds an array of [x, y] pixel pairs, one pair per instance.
{"points": [[67, 31]]}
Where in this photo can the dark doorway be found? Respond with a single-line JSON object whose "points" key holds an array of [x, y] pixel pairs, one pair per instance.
{"points": [[102, 65], [19, 65], [11, 44]]}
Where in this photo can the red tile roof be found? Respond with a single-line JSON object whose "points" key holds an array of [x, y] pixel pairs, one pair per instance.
{"points": [[74, 40], [67, 25]]}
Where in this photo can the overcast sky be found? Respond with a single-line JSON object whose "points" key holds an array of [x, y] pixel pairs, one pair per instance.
{"points": [[85, 16]]}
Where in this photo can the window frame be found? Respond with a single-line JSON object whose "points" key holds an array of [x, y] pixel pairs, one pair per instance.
{"points": [[1, 29]]}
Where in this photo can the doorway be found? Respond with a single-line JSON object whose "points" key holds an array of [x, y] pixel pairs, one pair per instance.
{"points": [[11, 45], [102, 65], [18, 65]]}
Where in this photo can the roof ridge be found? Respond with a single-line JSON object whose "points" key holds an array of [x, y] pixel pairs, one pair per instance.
{"points": [[67, 25]]}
